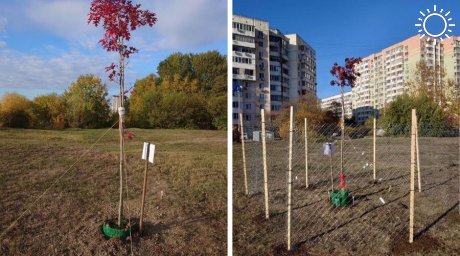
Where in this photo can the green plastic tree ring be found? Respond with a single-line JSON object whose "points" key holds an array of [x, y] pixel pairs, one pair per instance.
{"points": [[340, 197], [112, 231]]}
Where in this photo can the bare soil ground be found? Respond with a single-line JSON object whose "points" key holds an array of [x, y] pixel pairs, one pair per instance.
{"points": [[189, 171], [366, 227]]}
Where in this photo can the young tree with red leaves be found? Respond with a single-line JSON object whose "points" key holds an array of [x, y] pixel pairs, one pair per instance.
{"points": [[345, 76], [119, 18]]}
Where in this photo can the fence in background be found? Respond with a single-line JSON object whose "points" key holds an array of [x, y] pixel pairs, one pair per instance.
{"points": [[293, 181]]}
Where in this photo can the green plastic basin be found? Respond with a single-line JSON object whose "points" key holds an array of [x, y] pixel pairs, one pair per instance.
{"points": [[112, 231], [340, 197]]}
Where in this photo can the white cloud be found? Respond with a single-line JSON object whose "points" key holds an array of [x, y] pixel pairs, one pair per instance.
{"points": [[67, 19], [181, 23], [28, 71], [191, 23], [3, 21]]}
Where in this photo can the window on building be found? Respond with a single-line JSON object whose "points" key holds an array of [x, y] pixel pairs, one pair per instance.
{"points": [[275, 107], [274, 48], [275, 78], [249, 72], [242, 38], [260, 34], [275, 97]]}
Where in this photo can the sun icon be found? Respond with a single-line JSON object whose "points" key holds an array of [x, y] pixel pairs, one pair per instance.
{"points": [[446, 28]]}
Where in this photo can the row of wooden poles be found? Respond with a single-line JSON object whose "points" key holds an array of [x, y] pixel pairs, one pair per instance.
{"points": [[415, 161]]}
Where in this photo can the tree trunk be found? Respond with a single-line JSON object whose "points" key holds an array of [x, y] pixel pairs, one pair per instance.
{"points": [[342, 126], [120, 129]]}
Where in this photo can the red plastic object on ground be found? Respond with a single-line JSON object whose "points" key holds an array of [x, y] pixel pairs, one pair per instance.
{"points": [[342, 180]]}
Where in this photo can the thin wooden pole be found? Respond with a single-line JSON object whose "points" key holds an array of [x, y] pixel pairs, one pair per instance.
{"points": [[375, 159], [330, 165], [290, 179], [144, 189], [412, 178], [264, 157], [121, 113], [342, 126], [306, 153], [244, 155], [419, 178]]}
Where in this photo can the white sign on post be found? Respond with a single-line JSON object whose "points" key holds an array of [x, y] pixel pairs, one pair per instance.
{"points": [[144, 151], [151, 151], [328, 149]]}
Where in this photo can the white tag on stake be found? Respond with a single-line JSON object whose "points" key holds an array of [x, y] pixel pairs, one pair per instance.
{"points": [[151, 153], [144, 151]]}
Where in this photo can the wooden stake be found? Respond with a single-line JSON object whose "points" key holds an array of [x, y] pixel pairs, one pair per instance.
{"points": [[306, 154], [373, 164], [412, 177], [290, 180], [419, 178], [264, 156], [330, 165], [121, 113], [244, 154], [144, 189]]}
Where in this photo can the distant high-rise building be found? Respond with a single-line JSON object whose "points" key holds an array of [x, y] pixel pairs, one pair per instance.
{"points": [[302, 66], [115, 103], [384, 74], [269, 69], [250, 54], [452, 59], [334, 103], [279, 70]]}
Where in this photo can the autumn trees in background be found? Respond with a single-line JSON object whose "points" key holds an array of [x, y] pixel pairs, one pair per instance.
{"points": [[15, 111], [436, 98], [86, 103], [306, 107], [189, 92], [83, 105]]}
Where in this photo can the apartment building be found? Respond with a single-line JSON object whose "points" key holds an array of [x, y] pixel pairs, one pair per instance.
{"points": [[384, 74], [250, 53], [269, 69], [334, 103], [279, 70], [452, 59], [302, 63], [115, 103]]}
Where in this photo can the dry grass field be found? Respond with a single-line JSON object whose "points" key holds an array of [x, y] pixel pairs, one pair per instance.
{"points": [[185, 210], [367, 226]]}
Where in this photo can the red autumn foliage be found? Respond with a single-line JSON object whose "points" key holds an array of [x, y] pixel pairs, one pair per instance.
{"points": [[118, 18], [128, 135], [347, 75]]}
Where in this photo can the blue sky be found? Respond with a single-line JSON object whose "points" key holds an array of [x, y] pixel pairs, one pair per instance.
{"points": [[340, 29], [47, 44]]}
